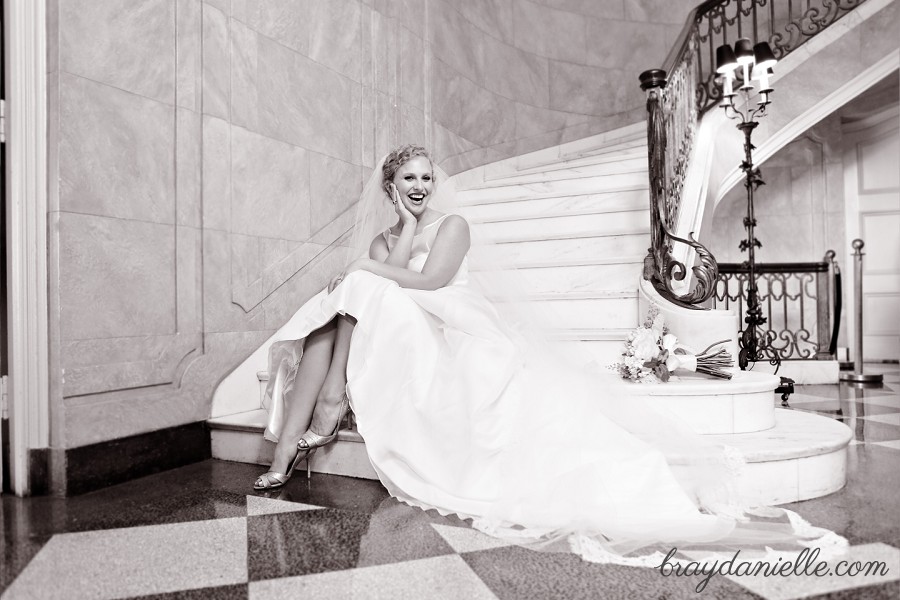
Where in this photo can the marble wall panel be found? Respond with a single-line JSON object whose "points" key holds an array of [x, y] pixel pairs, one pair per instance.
{"points": [[223, 6], [494, 17], [116, 152], [413, 128], [89, 423], [220, 312], [270, 187], [386, 124], [412, 68], [336, 39], [532, 121], [549, 32], [385, 37], [188, 165], [132, 50], [189, 279], [216, 72], [469, 110], [456, 41], [659, 11], [591, 90], [304, 103], [448, 144], [244, 67], [286, 22], [188, 53], [52, 18], [626, 46], [216, 163], [117, 277], [879, 34], [335, 186], [246, 279], [516, 74], [605, 9]]}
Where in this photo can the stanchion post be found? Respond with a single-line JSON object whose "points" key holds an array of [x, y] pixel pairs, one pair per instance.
{"points": [[857, 376]]}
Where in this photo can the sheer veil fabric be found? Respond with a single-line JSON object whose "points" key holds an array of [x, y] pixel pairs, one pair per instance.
{"points": [[468, 409]]}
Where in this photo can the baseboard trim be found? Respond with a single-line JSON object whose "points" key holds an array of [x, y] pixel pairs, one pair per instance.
{"points": [[99, 465]]}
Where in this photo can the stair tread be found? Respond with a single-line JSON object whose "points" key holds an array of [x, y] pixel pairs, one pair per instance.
{"points": [[553, 263], [636, 207], [539, 237], [254, 421], [548, 195], [528, 179], [581, 295]]}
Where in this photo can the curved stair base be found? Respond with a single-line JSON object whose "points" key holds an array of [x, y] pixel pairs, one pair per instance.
{"points": [[803, 456]]}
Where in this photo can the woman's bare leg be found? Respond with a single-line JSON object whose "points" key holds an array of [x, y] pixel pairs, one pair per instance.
{"points": [[328, 400], [299, 403]]}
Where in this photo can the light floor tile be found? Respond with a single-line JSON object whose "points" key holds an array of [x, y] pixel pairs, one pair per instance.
{"points": [[894, 444], [792, 587], [137, 561], [257, 505], [891, 419], [463, 539], [434, 578]]}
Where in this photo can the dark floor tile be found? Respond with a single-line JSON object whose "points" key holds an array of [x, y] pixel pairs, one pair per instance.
{"points": [[872, 431], [847, 408], [332, 491], [300, 543], [316, 541], [882, 591], [514, 573], [225, 592], [865, 510], [17, 553]]}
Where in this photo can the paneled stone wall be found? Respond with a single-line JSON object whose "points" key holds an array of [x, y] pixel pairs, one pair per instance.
{"points": [[205, 157]]}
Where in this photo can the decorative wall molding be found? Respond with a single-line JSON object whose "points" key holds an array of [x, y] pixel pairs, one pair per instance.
{"points": [[27, 235]]}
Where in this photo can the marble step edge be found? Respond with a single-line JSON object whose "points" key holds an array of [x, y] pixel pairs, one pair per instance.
{"points": [[255, 420], [598, 142], [558, 263], [542, 177], [576, 162], [556, 214], [625, 145], [588, 334], [691, 384], [569, 235], [531, 195], [795, 435]]}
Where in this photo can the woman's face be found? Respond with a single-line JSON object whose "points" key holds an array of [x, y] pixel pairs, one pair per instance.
{"points": [[415, 184]]}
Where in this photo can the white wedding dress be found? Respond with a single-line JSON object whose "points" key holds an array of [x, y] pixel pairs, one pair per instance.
{"points": [[460, 416]]}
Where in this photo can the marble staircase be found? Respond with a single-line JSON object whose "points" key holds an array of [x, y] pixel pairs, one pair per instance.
{"points": [[574, 221]]}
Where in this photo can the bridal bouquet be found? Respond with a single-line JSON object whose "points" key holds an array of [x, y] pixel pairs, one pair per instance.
{"points": [[652, 353]]}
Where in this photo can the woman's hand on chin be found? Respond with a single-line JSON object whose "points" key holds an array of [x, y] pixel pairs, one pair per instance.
{"points": [[357, 265]]}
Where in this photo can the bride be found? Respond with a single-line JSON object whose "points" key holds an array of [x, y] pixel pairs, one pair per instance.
{"points": [[464, 414]]}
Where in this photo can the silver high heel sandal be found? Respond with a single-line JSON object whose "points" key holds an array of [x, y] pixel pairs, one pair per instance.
{"points": [[273, 480], [312, 441]]}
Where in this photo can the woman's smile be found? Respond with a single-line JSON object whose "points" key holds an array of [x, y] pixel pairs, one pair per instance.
{"points": [[415, 183]]}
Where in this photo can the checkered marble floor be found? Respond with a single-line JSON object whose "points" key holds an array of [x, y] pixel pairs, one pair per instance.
{"points": [[196, 533]]}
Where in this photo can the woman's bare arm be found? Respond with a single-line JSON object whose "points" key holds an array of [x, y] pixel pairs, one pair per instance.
{"points": [[450, 247]]}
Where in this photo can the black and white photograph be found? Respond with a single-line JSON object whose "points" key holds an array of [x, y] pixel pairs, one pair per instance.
{"points": [[450, 299]]}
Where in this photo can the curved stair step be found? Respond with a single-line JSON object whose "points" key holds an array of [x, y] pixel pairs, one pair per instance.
{"points": [[525, 208]]}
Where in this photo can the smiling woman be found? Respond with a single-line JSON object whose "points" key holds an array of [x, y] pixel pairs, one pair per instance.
{"points": [[460, 414]]}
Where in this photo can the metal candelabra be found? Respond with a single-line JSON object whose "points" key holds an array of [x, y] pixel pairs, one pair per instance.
{"points": [[745, 63]]}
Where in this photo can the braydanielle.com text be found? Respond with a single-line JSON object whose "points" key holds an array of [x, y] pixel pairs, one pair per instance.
{"points": [[806, 563]]}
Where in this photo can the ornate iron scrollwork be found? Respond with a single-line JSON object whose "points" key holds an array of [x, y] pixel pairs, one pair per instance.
{"points": [[660, 266]]}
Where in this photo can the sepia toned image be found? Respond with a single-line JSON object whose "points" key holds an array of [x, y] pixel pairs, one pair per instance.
{"points": [[502, 299]]}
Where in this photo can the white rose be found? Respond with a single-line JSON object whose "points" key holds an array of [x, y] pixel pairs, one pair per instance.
{"points": [[644, 344]]}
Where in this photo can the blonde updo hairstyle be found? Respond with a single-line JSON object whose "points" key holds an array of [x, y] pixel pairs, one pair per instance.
{"points": [[396, 159]]}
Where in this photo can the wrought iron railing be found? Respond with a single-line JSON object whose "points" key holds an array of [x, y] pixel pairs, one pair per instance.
{"points": [[679, 94], [800, 301]]}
